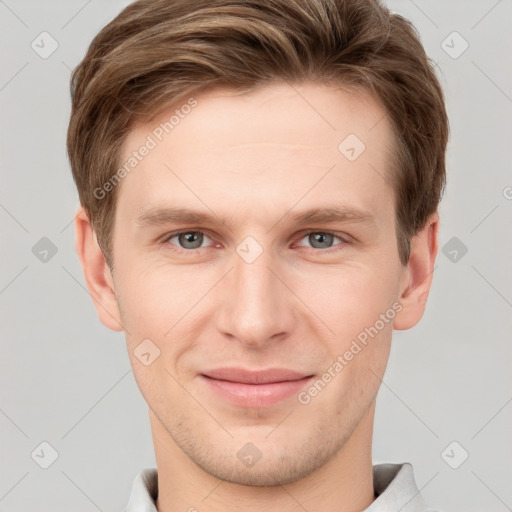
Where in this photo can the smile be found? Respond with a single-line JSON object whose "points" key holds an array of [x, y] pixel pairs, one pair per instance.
{"points": [[254, 389]]}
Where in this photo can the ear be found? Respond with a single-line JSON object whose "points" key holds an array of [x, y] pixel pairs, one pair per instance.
{"points": [[97, 274], [417, 274]]}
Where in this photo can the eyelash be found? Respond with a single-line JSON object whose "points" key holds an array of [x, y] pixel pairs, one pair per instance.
{"points": [[191, 252]]}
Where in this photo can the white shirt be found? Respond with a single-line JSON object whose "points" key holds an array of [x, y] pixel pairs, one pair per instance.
{"points": [[394, 485]]}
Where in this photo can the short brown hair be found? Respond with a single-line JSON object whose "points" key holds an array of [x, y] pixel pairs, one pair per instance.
{"points": [[156, 52]]}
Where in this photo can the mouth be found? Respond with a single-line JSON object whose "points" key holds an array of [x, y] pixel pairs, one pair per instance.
{"points": [[255, 389]]}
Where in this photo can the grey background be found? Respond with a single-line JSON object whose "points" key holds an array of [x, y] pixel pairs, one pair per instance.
{"points": [[66, 380]]}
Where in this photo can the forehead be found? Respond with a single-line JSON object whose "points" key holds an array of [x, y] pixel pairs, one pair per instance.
{"points": [[281, 112], [270, 144]]}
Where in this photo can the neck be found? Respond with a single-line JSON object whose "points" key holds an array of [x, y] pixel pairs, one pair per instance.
{"points": [[343, 484]]}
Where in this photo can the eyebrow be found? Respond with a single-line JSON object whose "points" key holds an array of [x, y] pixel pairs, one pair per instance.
{"points": [[327, 215]]}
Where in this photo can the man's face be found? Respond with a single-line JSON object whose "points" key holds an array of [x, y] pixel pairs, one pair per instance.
{"points": [[253, 289]]}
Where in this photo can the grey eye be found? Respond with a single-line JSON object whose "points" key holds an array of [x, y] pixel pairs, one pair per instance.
{"points": [[321, 240], [189, 239]]}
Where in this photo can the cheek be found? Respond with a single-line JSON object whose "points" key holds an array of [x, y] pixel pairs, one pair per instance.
{"points": [[351, 298], [167, 306], [156, 299], [159, 301], [358, 307]]}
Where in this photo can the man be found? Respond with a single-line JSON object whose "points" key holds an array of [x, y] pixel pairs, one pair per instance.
{"points": [[259, 183]]}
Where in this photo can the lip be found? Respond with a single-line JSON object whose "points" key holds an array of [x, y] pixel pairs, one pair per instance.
{"points": [[249, 388]]}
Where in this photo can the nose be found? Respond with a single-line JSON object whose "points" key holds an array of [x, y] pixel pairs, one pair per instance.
{"points": [[256, 304]]}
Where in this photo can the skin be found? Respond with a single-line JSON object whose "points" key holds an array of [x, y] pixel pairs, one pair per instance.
{"points": [[252, 160]]}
